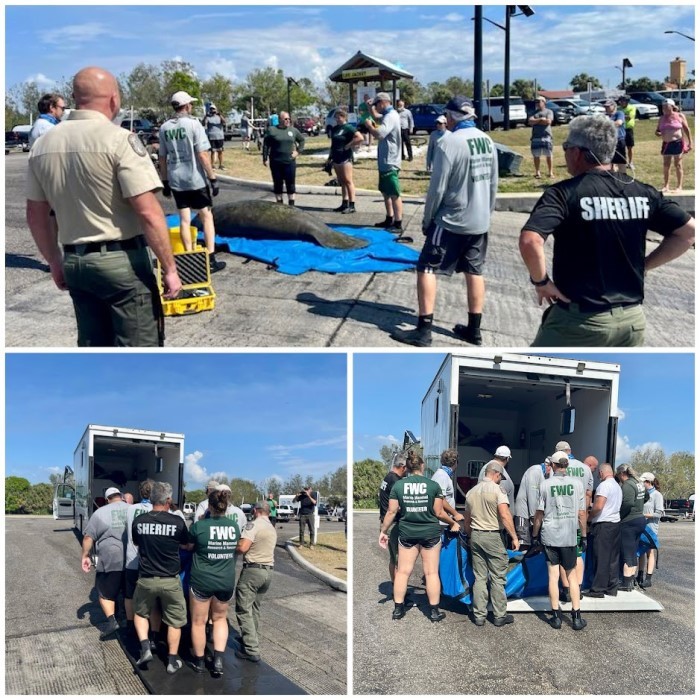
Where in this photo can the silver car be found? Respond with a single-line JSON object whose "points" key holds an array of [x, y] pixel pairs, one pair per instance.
{"points": [[580, 106]]}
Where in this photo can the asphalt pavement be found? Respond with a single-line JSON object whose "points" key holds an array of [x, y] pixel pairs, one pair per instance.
{"points": [[52, 620], [617, 653], [258, 307]]}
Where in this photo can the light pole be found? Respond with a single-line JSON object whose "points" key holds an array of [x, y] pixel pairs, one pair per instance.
{"points": [[478, 60], [289, 94], [673, 31], [625, 64]]}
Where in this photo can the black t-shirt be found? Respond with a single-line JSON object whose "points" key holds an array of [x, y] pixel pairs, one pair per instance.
{"points": [[306, 505], [599, 222], [384, 490], [341, 136], [158, 535]]}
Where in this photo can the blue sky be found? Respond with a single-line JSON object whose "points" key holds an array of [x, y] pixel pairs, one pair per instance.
{"points": [[249, 416], [46, 43], [656, 399]]}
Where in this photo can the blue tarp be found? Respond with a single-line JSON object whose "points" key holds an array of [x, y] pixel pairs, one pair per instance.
{"points": [[383, 254]]}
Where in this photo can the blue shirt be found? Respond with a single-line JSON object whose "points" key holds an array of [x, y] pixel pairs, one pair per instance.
{"points": [[619, 115]]}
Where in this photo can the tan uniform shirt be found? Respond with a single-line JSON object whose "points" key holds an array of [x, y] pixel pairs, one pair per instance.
{"points": [[483, 501], [86, 168], [261, 532]]}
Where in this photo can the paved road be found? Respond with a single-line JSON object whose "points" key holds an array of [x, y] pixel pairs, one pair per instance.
{"points": [[630, 654], [52, 616], [256, 307]]}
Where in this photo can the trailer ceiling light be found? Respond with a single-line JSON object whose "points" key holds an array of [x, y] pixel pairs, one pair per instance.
{"points": [[580, 367], [484, 396], [497, 359]]}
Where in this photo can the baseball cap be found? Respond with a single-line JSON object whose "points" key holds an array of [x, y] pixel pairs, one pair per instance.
{"points": [[181, 98], [562, 445], [609, 103], [212, 106], [212, 485], [382, 96], [462, 104], [623, 98], [669, 101], [223, 487], [502, 451], [648, 476], [560, 458], [441, 119], [111, 491]]}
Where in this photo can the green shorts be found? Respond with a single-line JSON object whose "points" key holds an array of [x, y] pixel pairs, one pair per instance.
{"points": [[394, 544], [169, 592], [389, 183]]}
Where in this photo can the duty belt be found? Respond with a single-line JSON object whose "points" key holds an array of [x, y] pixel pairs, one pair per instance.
{"points": [[257, 566], [106, 246], [586, 308]]}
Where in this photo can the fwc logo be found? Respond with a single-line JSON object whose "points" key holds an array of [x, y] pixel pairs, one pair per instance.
{"points": [[415, 489]]}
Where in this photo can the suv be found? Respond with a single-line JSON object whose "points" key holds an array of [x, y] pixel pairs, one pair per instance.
{"points": [[284, 513], [493, 116], [424, 116], [580, 107], [562, 115], [142, 127], [650, 98], [307, 125], [330, 120]]}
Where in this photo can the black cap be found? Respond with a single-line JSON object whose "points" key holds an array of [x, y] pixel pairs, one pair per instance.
{"points": [[459, 103]]}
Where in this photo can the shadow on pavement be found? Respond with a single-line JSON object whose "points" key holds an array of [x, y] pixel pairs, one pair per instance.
{"points": [[24, 262]]}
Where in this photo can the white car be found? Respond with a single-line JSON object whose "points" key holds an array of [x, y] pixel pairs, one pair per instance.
{"points": [[644, 111], [581, 106], [284, 514]]}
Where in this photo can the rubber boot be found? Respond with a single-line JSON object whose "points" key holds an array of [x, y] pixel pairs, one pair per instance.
{"points": [[627, 583], [472, 332], [646, 582], [578, 623], [555, 620]]}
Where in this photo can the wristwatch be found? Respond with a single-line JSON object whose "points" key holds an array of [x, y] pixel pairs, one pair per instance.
{"points": [[541, 283]]}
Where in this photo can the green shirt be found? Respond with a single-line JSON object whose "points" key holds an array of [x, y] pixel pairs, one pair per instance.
{"points": [[416, 496], [214, 556], [280, 142], [273, 507]]}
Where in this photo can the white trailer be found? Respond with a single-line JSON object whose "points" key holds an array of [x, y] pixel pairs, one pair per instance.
{"points": [[123, 457], [477, 402]]}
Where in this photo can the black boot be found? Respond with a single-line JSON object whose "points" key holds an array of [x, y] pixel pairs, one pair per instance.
{"points": [[384, 224], [399, 611], [627, 583], [215, 265], [350, 208], [564, 596], [646, 583], [578, 623], [555, 620], [472, 332], [436, 614], [342, 207]]}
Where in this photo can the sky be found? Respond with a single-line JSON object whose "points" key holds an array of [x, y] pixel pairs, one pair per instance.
{"points": [[656, 400], [433, 42], [248, 416]]}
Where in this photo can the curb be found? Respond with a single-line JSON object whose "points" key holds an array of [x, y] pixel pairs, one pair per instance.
{"points": [[328, 579]]}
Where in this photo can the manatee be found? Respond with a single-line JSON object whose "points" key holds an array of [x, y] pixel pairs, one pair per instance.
{"points": [[272, 221]]}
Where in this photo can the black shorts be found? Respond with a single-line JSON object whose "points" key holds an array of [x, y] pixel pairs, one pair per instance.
{"points": [[222, 596], [109, 584], [192, 199], [629, 138], [630, 532], [342, 157], [216, 144], [620, 157], [445, 252], [561, 556], [408, 542], [131, 576], [672, 148]]}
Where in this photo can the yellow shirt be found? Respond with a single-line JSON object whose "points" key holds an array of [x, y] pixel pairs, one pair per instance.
{"points": [[483, 501], [86, 168], [261, 532], [630, 113]]}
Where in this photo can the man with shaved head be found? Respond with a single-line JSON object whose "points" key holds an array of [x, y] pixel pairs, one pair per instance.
{"points": [[102, 185]]}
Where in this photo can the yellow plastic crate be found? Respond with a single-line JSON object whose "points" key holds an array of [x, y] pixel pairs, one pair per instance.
{"points": [[193, 269]]}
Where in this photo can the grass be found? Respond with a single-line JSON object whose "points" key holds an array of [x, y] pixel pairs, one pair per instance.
{"points": [[414, 178], [330, 554]]}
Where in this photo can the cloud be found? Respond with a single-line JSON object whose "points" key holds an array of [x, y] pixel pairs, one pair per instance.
{"points": [[42, 81], [195, 473], [73, 36], [620, 414], [222, 66], [54, 470], [624, 450], [386, 439]]}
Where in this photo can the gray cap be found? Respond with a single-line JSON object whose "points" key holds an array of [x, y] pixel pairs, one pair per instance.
{"points": [[385, 96], [562, 445], [213, 485]]}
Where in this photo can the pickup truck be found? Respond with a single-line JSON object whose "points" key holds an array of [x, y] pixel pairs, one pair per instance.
{"points": [[15, 140]]}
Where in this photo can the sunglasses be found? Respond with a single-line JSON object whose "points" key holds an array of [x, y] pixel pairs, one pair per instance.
{"points": [[566, 146]]}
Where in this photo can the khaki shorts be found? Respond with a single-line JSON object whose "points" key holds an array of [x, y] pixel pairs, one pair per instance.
{"points": [[389, 184], [169, 592]]}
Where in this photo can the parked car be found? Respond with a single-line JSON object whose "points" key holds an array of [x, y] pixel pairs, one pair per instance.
{"points": [[683, 506], [330, 120], [562, 115], [143, 127], [492, 112], [580, 106], [247, 509], [307, 125], [188, 509], [649, 98], [424, 116], [284, 513], [644, 111], [685, 98], [16, 140]]}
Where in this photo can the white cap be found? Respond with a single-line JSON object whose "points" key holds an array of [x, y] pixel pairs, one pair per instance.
{"points": [[111, 491], [441, 119], [223, 487], [648, 476], [181, 98], [502, 451], [560, 459], [562, 445], [669, 101]]}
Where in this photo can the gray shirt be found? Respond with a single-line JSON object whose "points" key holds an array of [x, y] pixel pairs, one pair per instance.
{"points": [[448, 489], [107, 527], [435, 136], [542, 131], [132, 551], [580, 471], [389, 148], [654, 505], [214, 125], [506, 485], [181, 139], [528, 498], [406, 118], [235, 511], [561, 499], [464, 183]]}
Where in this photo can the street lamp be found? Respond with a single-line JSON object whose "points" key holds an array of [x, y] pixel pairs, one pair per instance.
{"points": [[289, 94], [625, 64], [673, 31]]}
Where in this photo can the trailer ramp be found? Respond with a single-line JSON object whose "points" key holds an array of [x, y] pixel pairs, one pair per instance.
{"points": [[624, 601]]}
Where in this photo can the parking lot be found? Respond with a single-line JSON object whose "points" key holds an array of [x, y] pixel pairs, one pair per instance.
{"points": [[617, 653]]}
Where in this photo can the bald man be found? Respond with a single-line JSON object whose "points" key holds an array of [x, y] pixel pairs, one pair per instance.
{"points": [[102, 185]]}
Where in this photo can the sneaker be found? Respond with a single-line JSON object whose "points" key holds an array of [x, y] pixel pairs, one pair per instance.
{"points": [[471, 335], [216, 265], [505, 620], [218, 667], [384, 224], [399, 612], [349, 210], [247, 657], [420, 337], [112, 627], [341, 209], [479, 621], [437, 615], [198, 666], [174, 667], [145, 657], [646, 583], [396, 229]]}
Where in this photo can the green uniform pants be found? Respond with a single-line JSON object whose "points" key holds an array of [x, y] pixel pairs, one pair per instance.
{"points": [[489, 556], [115, 298], [618, 327], [251, 586]]}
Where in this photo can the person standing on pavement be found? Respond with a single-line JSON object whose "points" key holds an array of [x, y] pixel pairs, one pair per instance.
{"points": [[605, 532], [344, 138], [257, 545], [444, 478], [653, 511], [528, 499], [307, 514], [51, 108], [214, 124], [439, 131], [541, 144], [398, 471], [272, 503], [282, 145], [487, 512], [561, 515], [407, 124], [419, 501], [632, 522], [599, 221], [502, 457], [456, 219], [213, 542], [101, 185], [159, 535], [388, 135], [106, 531], [187, 172]]}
